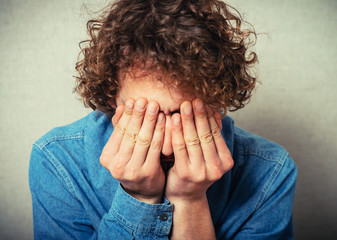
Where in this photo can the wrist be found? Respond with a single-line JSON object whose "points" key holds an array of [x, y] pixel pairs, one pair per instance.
{"points": [[150, 199], [188, 200], [192, 219]]}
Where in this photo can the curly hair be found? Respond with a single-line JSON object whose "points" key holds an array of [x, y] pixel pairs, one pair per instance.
{"points": [[199, 44]]}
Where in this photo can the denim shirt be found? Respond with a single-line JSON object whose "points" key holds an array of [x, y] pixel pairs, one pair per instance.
{"points": [[74, 197]]}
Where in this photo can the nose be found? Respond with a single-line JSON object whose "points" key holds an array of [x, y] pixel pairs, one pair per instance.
{"points": [[167, 149]]}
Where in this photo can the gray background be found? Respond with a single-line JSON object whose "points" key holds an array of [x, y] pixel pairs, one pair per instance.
{"points": [[294, 106]]}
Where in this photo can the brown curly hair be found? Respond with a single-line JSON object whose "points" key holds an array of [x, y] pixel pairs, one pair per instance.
{"points": [[199, 44]]}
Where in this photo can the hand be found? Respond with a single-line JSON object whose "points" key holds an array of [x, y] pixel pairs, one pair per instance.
{"points": [[132, 154], [201, 154]]}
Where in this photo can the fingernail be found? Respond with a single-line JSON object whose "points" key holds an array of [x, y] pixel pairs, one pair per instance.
{"points": [[152, 108], [129, 105], [198, 105], [176, 120], [140, 104], [187, 108]]}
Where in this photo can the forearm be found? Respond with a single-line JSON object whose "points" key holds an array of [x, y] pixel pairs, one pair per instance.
{"points": [[192, 220]]}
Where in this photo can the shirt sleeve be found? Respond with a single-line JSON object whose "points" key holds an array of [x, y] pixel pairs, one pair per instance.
{"points": [[58, 213]]}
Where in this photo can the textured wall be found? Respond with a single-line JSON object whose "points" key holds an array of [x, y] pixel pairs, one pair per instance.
{"points": [[294, 106]]}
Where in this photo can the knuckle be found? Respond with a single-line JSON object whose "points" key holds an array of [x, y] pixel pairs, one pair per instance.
{"points": [[127, 112], [179, 146], [143, 141], [206, 137], [120, 129], [185, 175], [160, 128], [216, 173], [201, 116], [150, 118], [201, 176], [138, 115], [156, 144], [192, 141], [216, 131], [131, 136], [229, 164], [103, 160], [151, 176], [133, 174], [176, 130], [117, 170]]}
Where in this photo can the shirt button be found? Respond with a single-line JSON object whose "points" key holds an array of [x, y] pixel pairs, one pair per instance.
{"points": [[163, 217]]}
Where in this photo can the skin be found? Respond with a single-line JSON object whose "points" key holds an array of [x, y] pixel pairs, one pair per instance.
{"points": [[167, 122]]}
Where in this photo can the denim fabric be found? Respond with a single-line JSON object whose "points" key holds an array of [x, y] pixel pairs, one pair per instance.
{"points": [[74, 197]]}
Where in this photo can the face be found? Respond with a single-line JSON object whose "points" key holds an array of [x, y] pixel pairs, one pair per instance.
{"points": [[169, 100]]}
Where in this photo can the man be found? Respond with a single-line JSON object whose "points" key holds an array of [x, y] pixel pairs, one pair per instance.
{"points": [[159, 159]]}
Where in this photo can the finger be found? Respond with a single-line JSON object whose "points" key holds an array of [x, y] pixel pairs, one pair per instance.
{"points": [[167, 145], [114, 142], [121, 124], [190, 135], [117, 115], [204, 133], [222, 149], [153, 155], [218, 117], [132, 129], [181, 160], [145, 134]]}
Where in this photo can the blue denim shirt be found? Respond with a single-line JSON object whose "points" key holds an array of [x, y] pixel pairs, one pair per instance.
{"points": [[74, 197]]}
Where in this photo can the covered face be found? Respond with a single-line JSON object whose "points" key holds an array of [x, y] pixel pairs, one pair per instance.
{"points": [[149, 87]]}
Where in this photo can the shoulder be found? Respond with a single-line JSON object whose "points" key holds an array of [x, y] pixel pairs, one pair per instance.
{"points": [[248, 144], [263, 165], [261, 188], [73, 146], [73, 132], [69, 152], [257, 189]]}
